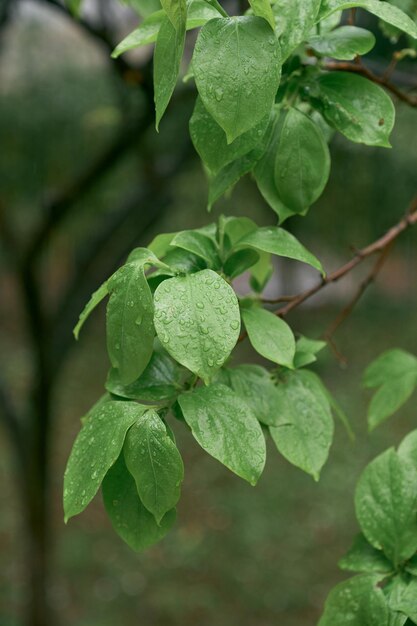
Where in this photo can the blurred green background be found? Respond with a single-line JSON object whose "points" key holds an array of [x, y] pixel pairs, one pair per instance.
{"points": [[77, 142]]}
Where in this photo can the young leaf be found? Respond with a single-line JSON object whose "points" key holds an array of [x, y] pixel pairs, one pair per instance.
{"points": [[254, 385], [232, 229], [209, 139], [226, 428], [302, 163], [356, 107], [198, 244], [386, 505], [197, 320], [294, 21], [384, 10], [269, 335], [344, 43], [130, 330], [176, 11], [395, 372], [199, 12], [281, 243], [144, 7], [408, 448], [237, 70], [130, 519], [155, 463], [94, 301], [406, 601], [364, 558], [95, 449], [262, 8], [306, 350], [356, 602], [261, 272], [240, 261], [231, 174], [304, 431], [160, 381], [264, 170], [167, 59]]}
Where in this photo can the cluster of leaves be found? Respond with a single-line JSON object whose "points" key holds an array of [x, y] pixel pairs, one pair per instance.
{"points": [[264, 105], [384, 593], [173, 320], [268, 105]]}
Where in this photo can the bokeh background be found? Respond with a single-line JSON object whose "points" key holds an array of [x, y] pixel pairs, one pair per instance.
{"points": [[85, 177]]}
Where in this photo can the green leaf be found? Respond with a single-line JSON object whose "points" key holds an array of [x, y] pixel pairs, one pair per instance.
{"points": [[130, 330], [209, 139], [161, 380], [362, 557], [95, 449], [231, 174], [305, 430], [130, 519], [262, 8], [306, 350], [232, 229], [94, 301], [404, 598], [294, 20], [199, 12], [237, 70], [240, 261], [226, 428], [74, 6], [197, 320], [261, 272], [384, 10], [176, 11], [264, 170], [391, 364], [269, 335], [254, 385], [155, 463], [356, 602], [386, 506], [302, 164], [184, 262], [344, 43], [161, 244], [144, 7], [280, 242], [166, 66], [408, 448], [395, 372], [199, 244], [356, 107]]}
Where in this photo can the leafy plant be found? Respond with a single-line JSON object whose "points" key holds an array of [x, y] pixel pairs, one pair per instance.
{"points": [[269, 99]]}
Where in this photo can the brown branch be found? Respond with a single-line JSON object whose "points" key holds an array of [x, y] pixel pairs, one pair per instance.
{"points": [[347, 310], [410, 219], [359, 68], [378, 246]]}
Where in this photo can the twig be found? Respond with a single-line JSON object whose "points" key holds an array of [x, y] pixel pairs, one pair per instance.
{"points": [[347, 310], [377, 246]]}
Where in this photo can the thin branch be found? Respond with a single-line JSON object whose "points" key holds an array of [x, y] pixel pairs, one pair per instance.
{"points": [[359, 68], [347, 310], [378, 246], [410, 219]]}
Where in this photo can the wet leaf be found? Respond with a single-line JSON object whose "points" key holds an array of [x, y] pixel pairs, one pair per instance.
{"points": [[197, 320], [95, 449], [226, 428]]}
